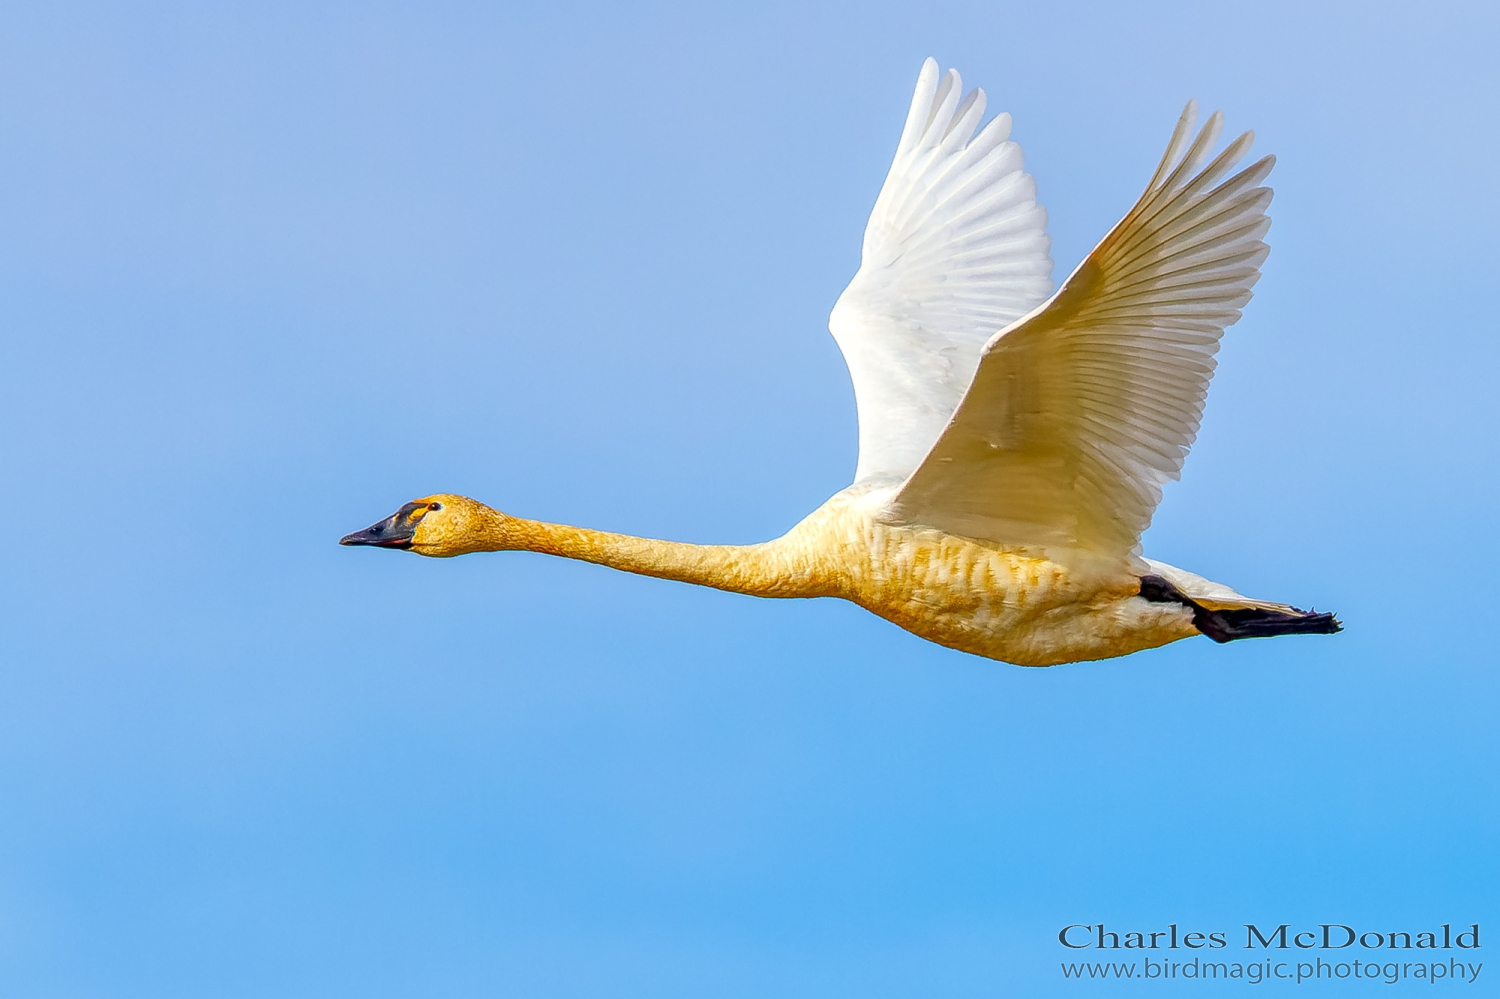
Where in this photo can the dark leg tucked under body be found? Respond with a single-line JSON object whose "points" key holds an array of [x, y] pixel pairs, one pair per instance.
{"points": [[1240, 622]]}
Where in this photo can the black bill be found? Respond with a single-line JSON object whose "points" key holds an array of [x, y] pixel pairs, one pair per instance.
{"points": [[394, 531]]}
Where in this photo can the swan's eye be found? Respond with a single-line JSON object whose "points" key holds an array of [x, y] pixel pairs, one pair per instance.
{"points": [[435, 506]]}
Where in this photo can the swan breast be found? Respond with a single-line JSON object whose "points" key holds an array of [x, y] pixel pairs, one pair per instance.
{"points": [[1011, 605]]}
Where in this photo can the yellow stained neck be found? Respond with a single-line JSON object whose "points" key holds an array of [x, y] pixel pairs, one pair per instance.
{"points": [[771, 569]]}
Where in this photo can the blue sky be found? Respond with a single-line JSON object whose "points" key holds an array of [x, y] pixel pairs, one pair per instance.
{"points": [[268, 271]]}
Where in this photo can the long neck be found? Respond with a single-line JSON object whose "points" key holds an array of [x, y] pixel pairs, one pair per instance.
{"points": [[773, 569]]}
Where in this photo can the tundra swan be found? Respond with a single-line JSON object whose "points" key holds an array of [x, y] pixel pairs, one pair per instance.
{"points": [[1013, 443]]}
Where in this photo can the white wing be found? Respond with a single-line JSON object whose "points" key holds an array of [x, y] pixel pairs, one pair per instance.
{"points": [[955, 250], [1082, 410]]}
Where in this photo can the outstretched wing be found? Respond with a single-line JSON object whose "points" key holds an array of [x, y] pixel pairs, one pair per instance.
{"points": [[955, 250], [1082, 410]]}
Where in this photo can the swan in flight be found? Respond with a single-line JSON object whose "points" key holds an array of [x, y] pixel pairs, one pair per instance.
{"points": [[1013, 443]]}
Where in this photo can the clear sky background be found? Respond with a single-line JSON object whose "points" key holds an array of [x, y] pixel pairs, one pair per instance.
{"points": [[269, 270]]}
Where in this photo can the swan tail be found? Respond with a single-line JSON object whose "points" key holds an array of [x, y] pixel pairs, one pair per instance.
{"points": [[1225, 616]]}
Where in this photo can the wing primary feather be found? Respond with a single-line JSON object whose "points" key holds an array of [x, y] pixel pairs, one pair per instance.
{"points": [[921, 110], [1225, 161], [1180, 135], [1207, 136], [941, 115], [968, 114]]}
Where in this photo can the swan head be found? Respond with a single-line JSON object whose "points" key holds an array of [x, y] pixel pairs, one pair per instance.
{"points": [[437, 526]]}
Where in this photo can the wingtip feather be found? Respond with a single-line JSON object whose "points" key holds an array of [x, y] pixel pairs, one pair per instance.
{"points": [[921, 105], [1180, 133]]}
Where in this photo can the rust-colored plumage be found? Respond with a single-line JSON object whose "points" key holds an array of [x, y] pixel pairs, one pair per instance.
{"points": [[1022, 608]]}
